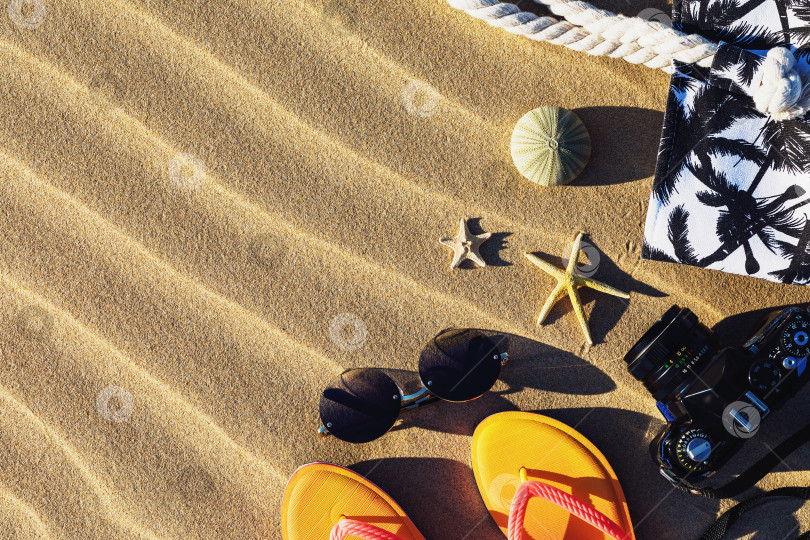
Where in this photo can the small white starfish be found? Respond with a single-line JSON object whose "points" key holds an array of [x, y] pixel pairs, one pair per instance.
{"points": [[465, 245]]}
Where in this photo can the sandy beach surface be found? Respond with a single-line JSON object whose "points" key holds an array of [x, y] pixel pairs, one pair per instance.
{"points": [[210, 208]]}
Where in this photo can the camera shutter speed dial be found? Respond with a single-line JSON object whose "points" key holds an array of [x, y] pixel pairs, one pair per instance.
{"points": [[796, 338], [764, 376], [694, 447]]}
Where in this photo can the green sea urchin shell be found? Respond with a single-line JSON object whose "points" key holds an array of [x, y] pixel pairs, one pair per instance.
{"points": [[550, 146]]}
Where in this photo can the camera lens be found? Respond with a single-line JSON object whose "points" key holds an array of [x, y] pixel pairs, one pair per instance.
{"points": [[672, 353]]}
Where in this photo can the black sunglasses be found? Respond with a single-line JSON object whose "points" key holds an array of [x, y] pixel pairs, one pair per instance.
{"points": [[456, 365]]}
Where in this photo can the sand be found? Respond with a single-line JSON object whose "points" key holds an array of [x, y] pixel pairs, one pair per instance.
{"points": [[191, 193]]}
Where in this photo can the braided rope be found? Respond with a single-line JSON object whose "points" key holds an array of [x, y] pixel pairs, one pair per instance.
{"points": [[596, 32], [346, 527], [527, 490]]}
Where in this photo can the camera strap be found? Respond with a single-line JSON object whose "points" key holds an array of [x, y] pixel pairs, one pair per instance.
{"points": [[753, 474], [746, 480], [729, 517]]}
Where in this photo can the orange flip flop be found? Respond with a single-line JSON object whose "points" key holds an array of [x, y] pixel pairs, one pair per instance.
{"points": [[541, 479], [323, 501]]}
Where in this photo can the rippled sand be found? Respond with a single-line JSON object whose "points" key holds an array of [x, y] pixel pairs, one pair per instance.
{"points": [[209, 209]]}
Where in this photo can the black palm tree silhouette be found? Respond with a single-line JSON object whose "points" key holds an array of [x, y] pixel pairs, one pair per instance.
{"points": [[721, 21], [785, 146], [724, 12], [788, 145], [727, 61], [801, 35], [679, 236], [747, 216], [653, 253], [798, 271], [746, 35], [713, 111]]}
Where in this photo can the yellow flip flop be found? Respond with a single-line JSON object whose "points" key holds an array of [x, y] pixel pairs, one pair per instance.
{"points": [[541, 479], [323, 501]]}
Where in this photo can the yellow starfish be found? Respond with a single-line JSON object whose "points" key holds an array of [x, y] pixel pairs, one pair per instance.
{"points": [[567, 282]]}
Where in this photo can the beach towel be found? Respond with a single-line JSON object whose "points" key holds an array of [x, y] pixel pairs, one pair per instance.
{"points": [[732, 184]]}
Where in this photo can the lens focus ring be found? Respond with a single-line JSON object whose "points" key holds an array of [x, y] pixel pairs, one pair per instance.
{"points": [[670, 354]]}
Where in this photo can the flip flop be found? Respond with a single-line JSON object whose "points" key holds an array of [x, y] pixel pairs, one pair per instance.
{"points": [[540, 478], [323, 501]]}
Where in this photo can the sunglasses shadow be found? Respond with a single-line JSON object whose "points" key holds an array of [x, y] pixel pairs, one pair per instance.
{"points": [[531, 364]]}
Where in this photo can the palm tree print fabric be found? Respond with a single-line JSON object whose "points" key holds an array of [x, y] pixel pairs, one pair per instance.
{"points": [[732, 186]]}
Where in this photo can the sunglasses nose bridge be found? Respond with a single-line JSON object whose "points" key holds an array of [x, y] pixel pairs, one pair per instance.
{"points": [[364, 412], [410, 397]]}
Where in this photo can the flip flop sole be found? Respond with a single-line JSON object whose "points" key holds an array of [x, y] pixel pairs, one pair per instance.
{"points": [[318, 494], [554, 453]]}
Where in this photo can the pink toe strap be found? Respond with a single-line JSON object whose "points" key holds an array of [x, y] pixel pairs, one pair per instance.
{"points": [[346, 527], [529, 489]]}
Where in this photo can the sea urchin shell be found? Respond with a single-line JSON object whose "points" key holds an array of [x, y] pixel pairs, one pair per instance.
{"points": [[550, 146]]}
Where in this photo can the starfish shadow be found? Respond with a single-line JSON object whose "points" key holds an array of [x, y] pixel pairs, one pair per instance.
{"points": [[605, 319], [491, 249]]}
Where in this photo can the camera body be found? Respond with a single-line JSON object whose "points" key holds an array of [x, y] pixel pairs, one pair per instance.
{"points": [[714, 397]]}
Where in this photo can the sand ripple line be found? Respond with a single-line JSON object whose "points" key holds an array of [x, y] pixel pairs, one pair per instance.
{"points": [[163, 391], [341, 150], [31, 515], [407, 283], [252, 210], [693, 296], [113, 512], [228, 72], [370, 52], [166, 269]]}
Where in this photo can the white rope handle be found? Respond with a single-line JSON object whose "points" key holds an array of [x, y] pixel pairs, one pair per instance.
{"points": [[779, 91], [596, 32]]}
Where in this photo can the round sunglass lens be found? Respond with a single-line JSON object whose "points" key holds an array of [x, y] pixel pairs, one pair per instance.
{"points": [[460, 364], [360, 405]]}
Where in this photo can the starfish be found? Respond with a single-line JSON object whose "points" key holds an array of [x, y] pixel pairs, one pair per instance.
{"points": [[567, 282], [465, 245]]}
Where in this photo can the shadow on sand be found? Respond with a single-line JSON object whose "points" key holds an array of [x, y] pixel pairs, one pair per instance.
{"points": [[610, 308], [436, 492], [532, 364]]}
